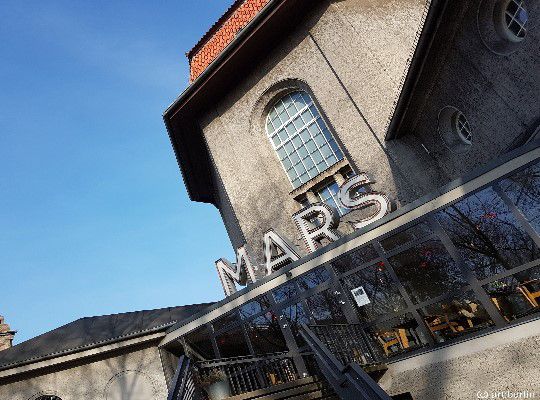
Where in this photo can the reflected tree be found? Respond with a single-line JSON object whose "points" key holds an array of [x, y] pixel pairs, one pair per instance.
{"points": [[487, 234]]}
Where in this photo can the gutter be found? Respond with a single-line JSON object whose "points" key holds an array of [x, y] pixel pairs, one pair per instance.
{"points": [[199, 82]]}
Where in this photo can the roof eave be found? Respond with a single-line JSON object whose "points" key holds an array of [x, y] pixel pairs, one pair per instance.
{"points": [[420, 55]]}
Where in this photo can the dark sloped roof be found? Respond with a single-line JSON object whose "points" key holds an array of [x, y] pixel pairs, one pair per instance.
{"points": [[90, 332]]}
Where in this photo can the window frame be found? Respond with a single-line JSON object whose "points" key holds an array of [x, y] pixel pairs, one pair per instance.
{"points": [[322, 126]]}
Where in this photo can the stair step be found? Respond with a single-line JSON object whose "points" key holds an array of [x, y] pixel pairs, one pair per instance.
{"points": [[282, 391]]}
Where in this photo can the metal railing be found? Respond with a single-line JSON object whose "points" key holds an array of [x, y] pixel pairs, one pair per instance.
{"points": [[182, 385], [246, 374], [349, 381], [347, 342]]}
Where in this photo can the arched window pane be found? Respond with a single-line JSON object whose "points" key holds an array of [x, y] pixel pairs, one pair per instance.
{"points": [[301, 138]]}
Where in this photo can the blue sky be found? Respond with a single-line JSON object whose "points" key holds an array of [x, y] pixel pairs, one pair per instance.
{"points": [[94, 217]]}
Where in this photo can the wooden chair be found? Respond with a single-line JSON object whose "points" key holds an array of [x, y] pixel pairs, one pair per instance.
{"points": [[442, 322], [530, 294], [388, 339]]}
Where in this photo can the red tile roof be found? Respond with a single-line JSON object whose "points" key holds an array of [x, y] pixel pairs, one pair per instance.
{"points": [[221, 34]]}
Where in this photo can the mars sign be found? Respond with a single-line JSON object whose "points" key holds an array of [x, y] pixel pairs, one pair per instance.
{"points": [[315, 222]]}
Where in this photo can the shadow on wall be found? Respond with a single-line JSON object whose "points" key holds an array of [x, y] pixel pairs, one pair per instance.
{"points": [[119, 376]]}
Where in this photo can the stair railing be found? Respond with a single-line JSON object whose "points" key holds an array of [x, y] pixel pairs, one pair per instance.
{"points": [[182, 385], [350, 382], [249, 373]]}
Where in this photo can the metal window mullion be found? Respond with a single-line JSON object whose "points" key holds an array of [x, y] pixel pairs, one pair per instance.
{"points": [[516, 212], [326, 140], [510, 272], [411, 307], [468, 275], [212, 333], [298, 154], [304, 145], [409, 245]]}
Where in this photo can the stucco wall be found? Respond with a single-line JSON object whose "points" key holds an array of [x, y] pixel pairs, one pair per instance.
{"points": [[498, 93], [135, 374], [511, 366], [354, 85], [353, 55]]}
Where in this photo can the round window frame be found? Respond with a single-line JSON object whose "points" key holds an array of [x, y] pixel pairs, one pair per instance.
{"points": [[457, 131], [449, 132], [501, 26]]}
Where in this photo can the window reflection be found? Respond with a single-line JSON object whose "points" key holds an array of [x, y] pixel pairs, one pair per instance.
{"points": [[295, 316], [396, 336], [265, 334], [427, 271], [325, 308], [517, 295], [523, 188], [354, 259], [408, 235], [254, 307], [455, 317], [226, 320], [232, 343], [381, 294], [486, 232], [285, 292], [313, 278], [200, 344]]}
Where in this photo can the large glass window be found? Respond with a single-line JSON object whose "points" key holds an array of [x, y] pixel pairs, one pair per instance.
{"points": [[295, 316], [329, 195], [285, 292], [487, 234], [408, 235], [373, 292], [517, 295], [396, 336], [325, 308], [455, 317], [523, 188], [265, 334], [254, 307], [354, 259], [301, 138], [232, 343], [199, 343], [313, 278], [427, 271]]}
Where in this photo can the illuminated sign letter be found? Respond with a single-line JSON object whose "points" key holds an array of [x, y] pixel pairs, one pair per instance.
{"points": [[277, 252], [242, 272], [316, 222], [350, 198]]}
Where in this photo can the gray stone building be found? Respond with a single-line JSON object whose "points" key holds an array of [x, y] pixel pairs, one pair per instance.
{"points": [[376, 165], [113, 357]]}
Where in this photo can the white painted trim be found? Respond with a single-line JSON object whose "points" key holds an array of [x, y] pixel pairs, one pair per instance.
{"points": [[32, 366], [401, 220], [502, 337]]}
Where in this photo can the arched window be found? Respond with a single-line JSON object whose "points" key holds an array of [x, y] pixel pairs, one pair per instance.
{"points": [[301, 138]]}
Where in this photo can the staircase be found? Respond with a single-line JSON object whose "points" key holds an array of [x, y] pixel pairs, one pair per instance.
{"points": [[310, 388], [339, 365]]}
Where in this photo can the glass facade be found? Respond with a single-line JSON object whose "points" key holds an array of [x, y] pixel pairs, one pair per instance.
{"points": [[455, 272]]}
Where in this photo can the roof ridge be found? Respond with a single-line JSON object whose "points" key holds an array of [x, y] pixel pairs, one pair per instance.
{"points": [[208, 34]]}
